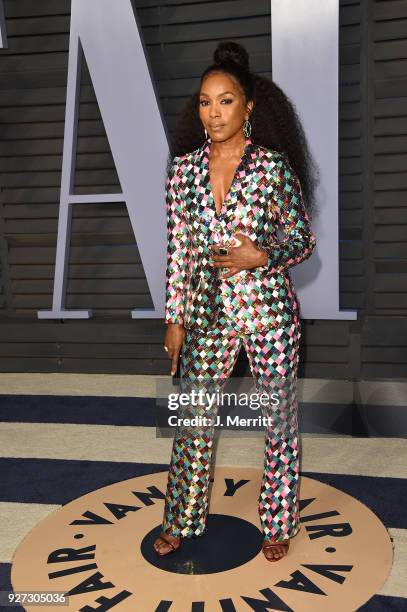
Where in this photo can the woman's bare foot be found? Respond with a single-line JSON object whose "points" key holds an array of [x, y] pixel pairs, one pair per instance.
{"points": [[274, 551], [166, 543]]}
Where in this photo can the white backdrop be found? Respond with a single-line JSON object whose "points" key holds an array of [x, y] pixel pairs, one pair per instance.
{"points": [[305, 53]]}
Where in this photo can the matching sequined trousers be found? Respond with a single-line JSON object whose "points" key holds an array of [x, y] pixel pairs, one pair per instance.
{"points": [[207, 361]]}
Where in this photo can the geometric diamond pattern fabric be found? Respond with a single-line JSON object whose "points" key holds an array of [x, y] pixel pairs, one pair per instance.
{"points": [[265, 194], [207, 360], [257, 309]]}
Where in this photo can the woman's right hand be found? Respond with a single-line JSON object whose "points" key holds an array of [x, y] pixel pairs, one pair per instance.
{"points": [[174, 339]]}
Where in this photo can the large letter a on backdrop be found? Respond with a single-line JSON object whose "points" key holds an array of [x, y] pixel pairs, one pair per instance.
{"points": [[107, 34]]}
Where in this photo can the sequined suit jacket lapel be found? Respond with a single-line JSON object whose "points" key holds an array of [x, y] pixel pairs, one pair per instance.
{"points": [[203, 188]]}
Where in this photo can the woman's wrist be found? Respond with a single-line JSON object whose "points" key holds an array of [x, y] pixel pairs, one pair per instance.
{"points": [[263, 257]]}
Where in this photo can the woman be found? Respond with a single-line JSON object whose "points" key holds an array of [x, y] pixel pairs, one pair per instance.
{"points": [[230, 184]]}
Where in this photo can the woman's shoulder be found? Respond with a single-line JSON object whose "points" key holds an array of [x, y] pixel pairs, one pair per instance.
{"points": [[272, 160], [181, 166], [271, 154], [187, 158]]}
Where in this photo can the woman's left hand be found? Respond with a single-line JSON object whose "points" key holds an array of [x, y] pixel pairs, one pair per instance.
{"points": [[243, 257]]}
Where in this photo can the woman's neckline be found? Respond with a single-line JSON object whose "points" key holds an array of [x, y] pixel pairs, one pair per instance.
{"points": [[248, 143]]}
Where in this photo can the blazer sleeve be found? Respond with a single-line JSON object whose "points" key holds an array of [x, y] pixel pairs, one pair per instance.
{"points": [[290, 213], [178, 248]]}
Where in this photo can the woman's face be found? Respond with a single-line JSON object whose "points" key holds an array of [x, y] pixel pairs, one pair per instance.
{"points": [[222, 106]]}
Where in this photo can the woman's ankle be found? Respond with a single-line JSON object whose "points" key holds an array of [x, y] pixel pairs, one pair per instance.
{"points": [[170, 535]]}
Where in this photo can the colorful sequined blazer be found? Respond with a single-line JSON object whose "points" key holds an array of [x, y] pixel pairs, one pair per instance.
{"points": [[264, 194]]}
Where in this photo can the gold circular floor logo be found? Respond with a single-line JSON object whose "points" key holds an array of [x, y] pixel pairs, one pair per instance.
{"points": [[98, 551]]}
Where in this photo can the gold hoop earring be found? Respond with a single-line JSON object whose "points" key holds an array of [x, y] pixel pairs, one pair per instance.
{"points": [[206, 133], [247, 128]]}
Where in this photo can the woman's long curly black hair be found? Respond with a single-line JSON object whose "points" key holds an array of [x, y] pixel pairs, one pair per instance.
{"points": [[274, 120]]}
